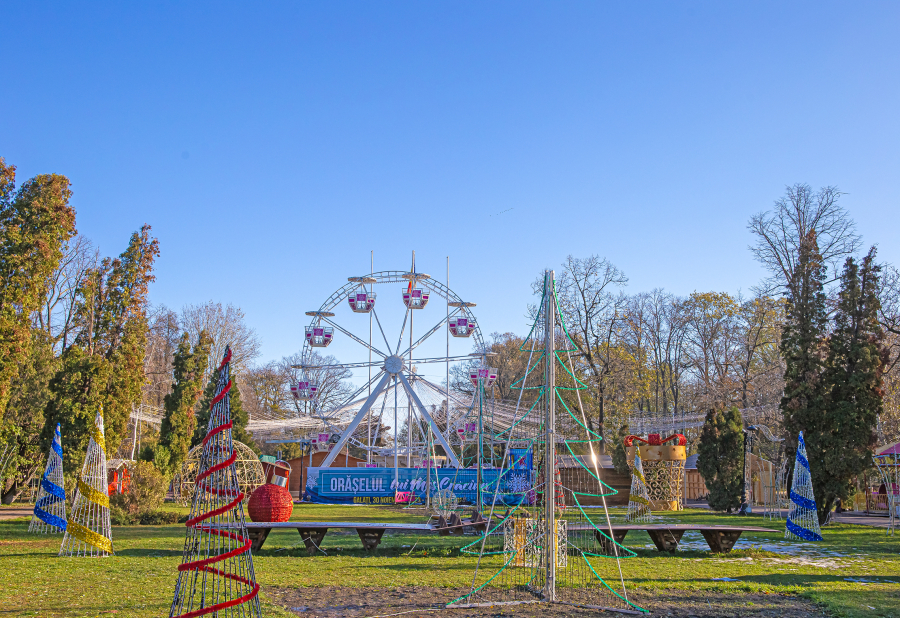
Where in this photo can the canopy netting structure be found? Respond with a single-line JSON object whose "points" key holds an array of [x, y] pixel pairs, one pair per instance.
{"points": [[545, 547]]}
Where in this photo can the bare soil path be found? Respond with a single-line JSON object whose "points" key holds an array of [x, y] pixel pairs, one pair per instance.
{"points": [[412, 602], [12, 512]]}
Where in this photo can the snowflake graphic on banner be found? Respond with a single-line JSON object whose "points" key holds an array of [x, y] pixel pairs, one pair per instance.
{"points": [[519, 483]]}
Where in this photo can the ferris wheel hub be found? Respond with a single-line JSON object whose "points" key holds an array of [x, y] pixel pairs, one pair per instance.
{"points": [[393, 364]]}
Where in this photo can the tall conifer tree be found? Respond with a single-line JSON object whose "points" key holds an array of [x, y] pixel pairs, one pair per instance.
{"points": [[720, 460], [803, 350], [840, 446], [179, 422], [239, 416]]}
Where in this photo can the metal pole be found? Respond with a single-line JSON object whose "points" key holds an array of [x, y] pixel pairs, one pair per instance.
{"points": [[134, 439], [372, 270], [396, 441], [550, 539], [409, 407], [480, 465], [448, 359]]}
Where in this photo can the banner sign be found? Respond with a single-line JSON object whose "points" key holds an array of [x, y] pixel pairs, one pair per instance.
{"points": [[377, 485]]}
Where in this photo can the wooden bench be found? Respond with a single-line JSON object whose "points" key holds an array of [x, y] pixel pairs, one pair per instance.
{"points": [[312, 532], [666, 537]]}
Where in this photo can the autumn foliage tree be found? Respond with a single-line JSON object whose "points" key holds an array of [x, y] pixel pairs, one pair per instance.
{"points": [[35, 222]]}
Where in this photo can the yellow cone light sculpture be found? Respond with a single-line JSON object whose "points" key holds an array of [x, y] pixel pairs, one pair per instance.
{"points": [[88, 529]]}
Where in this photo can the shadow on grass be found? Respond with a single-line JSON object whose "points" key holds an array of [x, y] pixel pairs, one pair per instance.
{"points": [[148, 553]]}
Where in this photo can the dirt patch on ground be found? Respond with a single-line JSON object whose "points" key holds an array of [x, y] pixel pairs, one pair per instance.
{"points": [[15, 512], [332, 602]]}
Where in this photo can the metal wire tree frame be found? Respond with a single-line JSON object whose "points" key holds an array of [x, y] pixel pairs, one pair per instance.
{"points": [[248, 469], [545, 547], [216, 575], [888, 465], [639, 498], [803, 519], [88, 531], [393, 377], [50, 506]]}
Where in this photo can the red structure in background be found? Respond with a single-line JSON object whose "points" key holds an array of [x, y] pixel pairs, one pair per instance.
{"points": [[654, 439], [119, 486]]}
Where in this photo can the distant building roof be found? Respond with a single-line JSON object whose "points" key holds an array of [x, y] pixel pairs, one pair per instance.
{"points": [[691, 462]]}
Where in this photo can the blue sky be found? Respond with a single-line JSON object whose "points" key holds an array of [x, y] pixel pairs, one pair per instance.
{"points": [[273, 145]]}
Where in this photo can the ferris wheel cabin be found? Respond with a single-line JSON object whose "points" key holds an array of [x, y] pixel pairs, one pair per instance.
{"points": [[361, 302], [487, 374], [415, 298], [461, 327], [304, 391], [319, 336]]}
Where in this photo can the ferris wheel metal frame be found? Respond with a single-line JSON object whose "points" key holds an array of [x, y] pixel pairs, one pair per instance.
{"points": [[394, 365]]}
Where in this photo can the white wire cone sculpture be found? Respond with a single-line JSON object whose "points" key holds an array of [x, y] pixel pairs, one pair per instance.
{"points": [[803, 519], [50, 508], [88, 532], [216, 573], [888, 464], [533, 552], [639, 498]]}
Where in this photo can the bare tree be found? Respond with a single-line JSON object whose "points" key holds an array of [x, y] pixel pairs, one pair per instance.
{"points": [[713, 346], [759, 365], [162, 339], [889, 316], [593, 307], [226, 326], [57, 314], [333, 382], [665, 324], [800, 211]]}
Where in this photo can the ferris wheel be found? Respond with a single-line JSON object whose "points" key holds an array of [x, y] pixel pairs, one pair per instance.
{"points": [[390, 360]]}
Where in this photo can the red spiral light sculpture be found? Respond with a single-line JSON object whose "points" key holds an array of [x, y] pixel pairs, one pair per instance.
{"points": [[216, 530]]}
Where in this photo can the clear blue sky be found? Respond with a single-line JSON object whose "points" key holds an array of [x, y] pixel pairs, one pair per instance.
{"points": [[273, 145]]}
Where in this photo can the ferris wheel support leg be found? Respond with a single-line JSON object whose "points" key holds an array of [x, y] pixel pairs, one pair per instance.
{"points": [[424, 412], [345, 436]]}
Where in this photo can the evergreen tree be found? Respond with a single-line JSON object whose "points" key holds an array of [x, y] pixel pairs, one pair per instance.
{"points": [[803, 347], [104, 364], [239, 416], [721, 458], [619, 454], [23, 424], [841, 444], [179, 421]]}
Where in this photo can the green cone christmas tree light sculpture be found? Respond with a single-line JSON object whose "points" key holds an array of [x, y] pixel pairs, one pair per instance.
{"points": [[88, 532], [542, 545], [216, 574], [50, 507]]}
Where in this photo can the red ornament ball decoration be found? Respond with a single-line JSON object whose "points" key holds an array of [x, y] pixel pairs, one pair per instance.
{"points": [[270, 503]]}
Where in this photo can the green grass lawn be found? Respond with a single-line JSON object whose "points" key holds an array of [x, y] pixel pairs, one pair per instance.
{"points": [[139, 581]]}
